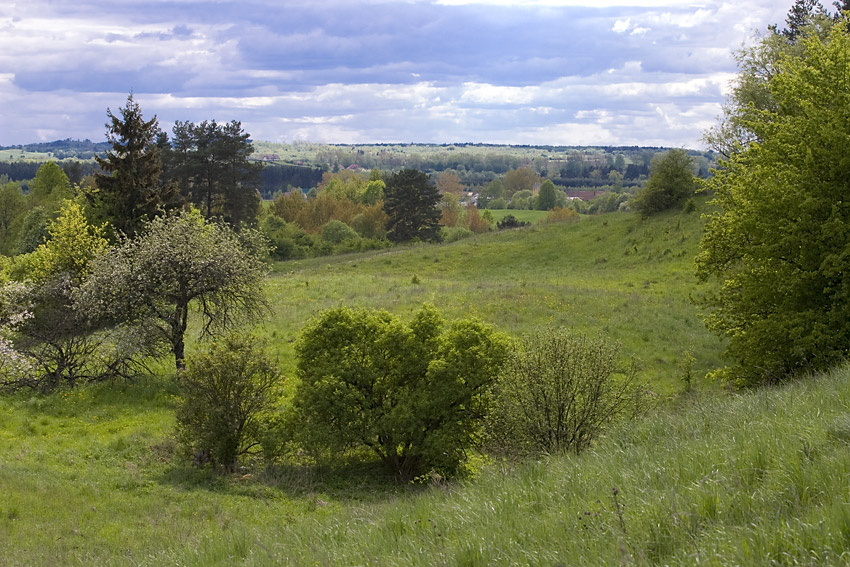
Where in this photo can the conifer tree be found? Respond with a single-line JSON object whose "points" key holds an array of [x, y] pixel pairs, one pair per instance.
{"points": [[128, 190]]}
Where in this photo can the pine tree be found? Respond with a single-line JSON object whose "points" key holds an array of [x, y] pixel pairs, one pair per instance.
{"points": [[410, 201]]}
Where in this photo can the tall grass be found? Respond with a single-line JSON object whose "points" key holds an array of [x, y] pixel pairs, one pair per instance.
{"points": [[758, 478]]}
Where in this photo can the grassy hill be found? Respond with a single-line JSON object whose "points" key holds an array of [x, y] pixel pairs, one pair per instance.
{"points": [[613, 273], [93, 476]]}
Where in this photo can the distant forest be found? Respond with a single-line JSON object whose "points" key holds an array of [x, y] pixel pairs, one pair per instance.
{"points": [[301, 165]]}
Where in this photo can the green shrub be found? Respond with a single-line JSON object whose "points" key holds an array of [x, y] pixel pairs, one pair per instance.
{"points": [[229, 392], [510, 221], [455, 233], [557, 392], [415, 394], [336, 231]]}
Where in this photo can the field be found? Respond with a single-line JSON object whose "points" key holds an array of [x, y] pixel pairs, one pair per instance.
{"points": [[93, 476]]}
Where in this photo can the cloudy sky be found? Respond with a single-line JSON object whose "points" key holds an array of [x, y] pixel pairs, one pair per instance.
{"points": [[573, 72]]}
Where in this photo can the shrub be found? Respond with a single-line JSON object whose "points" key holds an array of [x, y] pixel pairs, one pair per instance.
{"points": [[336, 231], [557, 392], [455, 233], [559, 214], [229, 391], [414, 394], [510, 221]]}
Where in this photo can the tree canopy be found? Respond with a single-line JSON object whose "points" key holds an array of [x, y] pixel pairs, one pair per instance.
{"points": [[128, 191], [210, 163], [415, 393], [410, 202], [179, 260], [779, 242], [671, 181]]}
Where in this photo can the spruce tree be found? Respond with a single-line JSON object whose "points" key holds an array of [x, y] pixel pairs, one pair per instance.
{"points": [[128, 191]]}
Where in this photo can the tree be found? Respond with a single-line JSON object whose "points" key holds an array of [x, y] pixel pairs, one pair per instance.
{"points": [[557, 392], [520, 179], [780, 239], [411, 205], [671, 181], [12, 207], [44, 323], [492, 191], [229, 391], [128, 192], [414, 394], [547, 198], [210, 164], [757, 65], [50, 184], [374, 192], [449, 182], [801, 15], [179, 260]]}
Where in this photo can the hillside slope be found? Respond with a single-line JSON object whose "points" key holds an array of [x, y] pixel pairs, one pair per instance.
{"points": [[615, 273]]}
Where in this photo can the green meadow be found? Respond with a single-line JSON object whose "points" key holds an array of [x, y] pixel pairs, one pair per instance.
{"points": [[93, 476], [614, 274]]}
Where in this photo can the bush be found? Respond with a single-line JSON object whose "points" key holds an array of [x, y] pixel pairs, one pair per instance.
{"points": [[336, 231], [455, 233], [510, 221], [414, 394], [561, 214], [229, 392], [557, 392]]}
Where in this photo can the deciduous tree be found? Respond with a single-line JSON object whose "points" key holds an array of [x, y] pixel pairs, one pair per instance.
{"points": [[177, 262], [779, 242], [671, 181]]}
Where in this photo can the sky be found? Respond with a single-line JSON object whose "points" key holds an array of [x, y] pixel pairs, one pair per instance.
{"points": [[538, 72]]}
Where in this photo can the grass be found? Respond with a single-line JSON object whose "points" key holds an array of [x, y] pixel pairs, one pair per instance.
{"points": [[758, 478], [614, 274], [93, 476]]}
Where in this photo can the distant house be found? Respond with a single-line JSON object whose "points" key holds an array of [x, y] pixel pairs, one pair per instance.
{"points": [[270, 157]]}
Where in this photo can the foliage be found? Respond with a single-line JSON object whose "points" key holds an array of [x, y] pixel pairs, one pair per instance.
{"points": [[510, 221], [129, 191], [547, 197], [287, 240], [475, 221], [42, 320], [50, 184], [557, 392], [671, 182], [211, 164], [337, 231], [229, 391], [34, 230], [779, 241], [178, 261], [411, 206], [520, 179], [757, 65], [13, 203], [414, 394], [454, 233], [561, 214]]}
